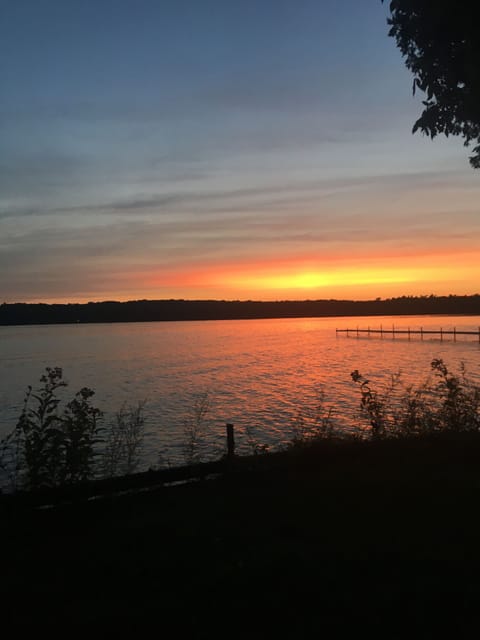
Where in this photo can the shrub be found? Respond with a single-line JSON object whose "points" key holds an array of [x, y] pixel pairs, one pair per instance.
{"points": [[47, 448], [459, 408], [80, 432], [448, 403]]}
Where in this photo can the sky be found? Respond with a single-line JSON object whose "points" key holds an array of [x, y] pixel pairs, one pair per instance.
{"points": [[217, 149]]}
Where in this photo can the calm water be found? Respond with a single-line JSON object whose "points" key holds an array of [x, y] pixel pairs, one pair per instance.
{"points": [[257, 373]]}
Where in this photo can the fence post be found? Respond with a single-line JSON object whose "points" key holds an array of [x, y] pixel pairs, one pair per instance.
{"points": [[230, 442]]}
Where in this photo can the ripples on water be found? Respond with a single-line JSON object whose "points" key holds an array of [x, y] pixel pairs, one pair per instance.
{"points": [[257, 373]]}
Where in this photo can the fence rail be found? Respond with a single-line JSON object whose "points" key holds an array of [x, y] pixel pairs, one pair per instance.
{"points": [[409, 332], [118, 485]]}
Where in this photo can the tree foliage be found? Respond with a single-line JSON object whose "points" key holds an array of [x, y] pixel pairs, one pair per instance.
{"points": [[441, 46]]}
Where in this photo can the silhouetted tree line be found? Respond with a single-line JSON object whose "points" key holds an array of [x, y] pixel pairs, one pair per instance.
{"points": [[163, 310]]}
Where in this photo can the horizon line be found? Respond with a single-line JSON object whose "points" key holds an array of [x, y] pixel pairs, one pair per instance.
{"points": [[251, 300]]}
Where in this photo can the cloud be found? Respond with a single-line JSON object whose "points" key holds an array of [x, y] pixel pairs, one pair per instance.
{"points": [[265, 197]]}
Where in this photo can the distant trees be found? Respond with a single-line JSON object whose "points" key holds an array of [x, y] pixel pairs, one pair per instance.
{"points": [[440, 42], [161, 310]]}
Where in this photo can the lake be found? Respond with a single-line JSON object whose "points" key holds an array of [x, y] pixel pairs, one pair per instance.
{"points": [[258, 374]]}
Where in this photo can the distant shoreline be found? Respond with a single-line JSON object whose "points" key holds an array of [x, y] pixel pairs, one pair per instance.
{"points": [[194, 310]]}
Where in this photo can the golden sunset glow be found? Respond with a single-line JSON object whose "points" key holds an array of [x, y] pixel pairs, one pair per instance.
{"points": [[233, 178], [316, 280], [300, 278]]}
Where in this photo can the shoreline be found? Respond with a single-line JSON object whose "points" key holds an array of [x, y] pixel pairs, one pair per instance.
{"points": [[18, 314]]}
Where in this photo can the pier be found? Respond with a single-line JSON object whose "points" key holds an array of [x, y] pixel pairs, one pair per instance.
{"points": [[409, 333]]}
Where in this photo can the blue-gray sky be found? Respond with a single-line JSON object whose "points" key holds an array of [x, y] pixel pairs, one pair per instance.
{"points": [[221, 149]]}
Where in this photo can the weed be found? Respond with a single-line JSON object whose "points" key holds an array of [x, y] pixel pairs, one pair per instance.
{"points": [[311, 424], [450, 404], [256, 447], [194, 428], [459, 408], [80, 432], [47, 448], [123, 441], [376, 406]]}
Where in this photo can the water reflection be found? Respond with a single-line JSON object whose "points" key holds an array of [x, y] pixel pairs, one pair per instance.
{"points": [[258, 373]]}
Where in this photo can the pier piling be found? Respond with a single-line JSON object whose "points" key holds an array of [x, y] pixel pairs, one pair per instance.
{"points": [[230, 441], [408, 332]]}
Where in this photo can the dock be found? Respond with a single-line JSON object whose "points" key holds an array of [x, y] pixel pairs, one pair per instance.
{"points": [[409, 333]]}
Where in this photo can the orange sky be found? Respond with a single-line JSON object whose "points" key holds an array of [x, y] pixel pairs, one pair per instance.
{"points": [[440, 273], [282, 170]]}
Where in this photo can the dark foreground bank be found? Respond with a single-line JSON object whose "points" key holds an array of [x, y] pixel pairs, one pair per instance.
{"points": [[332, 540]]}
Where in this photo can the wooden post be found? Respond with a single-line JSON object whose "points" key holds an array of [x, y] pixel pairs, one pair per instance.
{"points": [[368, 331], [381, 331], [357, 330], [441, 334], [454, 334], [393, 332], [421, 333], [409, 334], [230, 442]]}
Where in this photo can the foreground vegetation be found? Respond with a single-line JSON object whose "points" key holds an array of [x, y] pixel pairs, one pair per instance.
{"points": [[54, 446], [376, 532]]}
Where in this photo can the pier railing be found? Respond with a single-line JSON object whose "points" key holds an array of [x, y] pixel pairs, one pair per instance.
{"points": [[409, 333]]}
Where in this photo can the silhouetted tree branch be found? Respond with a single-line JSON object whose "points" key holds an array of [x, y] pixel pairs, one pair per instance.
{"points": [[441, 46]]}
